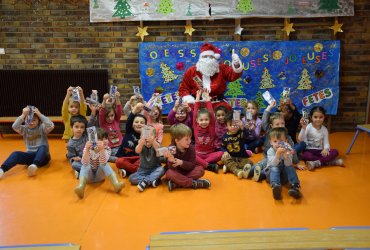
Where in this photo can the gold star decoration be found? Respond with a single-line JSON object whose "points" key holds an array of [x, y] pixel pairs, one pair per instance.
{"points": [[142, 32], [337, 27], [288, 27], [189, 30]]}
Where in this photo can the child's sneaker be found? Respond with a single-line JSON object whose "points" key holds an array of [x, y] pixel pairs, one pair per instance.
{"points": [[171, 185], [1, 173], [77, 174], [276, 191], [224, 169], [240, 174], [294, 191], [257, 173], [31, 170], [122, 172], [249, 153], [141, 186], [246, 170], [213, 167], [336, 162], [201, 183], [311, 165], [156, 182]]}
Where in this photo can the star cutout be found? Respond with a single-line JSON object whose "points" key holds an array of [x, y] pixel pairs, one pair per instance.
{"points": [[288, 27], [142, 32], [337, 27], [189, 30], [238, 30]]}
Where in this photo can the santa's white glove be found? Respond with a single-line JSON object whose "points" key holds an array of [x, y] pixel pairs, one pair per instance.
{"points": [[236, 62]]}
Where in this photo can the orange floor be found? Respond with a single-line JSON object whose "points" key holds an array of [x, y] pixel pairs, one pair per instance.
{"points": [[44, 209]]}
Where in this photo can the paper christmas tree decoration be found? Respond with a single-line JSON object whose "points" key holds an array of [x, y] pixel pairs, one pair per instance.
{"points": [[266, 82], [165, 7], [122, 9], [167, 74], [329, 5], [245, 6], [260, 101], [234, 89], [305, 82]]}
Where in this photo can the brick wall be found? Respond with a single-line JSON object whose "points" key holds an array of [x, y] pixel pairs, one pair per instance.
{"points": [[40, 34]]}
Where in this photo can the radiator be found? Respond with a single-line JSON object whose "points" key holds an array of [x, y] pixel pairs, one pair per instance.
{"points": [[45, 89]]}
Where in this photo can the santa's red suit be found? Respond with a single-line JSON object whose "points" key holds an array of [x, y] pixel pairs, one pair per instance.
{"points": [[215, 83]]}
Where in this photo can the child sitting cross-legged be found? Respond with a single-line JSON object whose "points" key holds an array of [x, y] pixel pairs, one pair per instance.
{"points": [[183, 170], [235, 156], [95, 164], [150, 169]]}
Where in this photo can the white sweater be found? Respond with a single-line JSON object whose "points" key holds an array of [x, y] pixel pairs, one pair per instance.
{"points": [[315, 138]]}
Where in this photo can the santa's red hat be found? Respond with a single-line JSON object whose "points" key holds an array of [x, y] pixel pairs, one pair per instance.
{"points": [[210, 49]]}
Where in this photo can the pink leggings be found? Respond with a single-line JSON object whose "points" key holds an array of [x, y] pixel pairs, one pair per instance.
{"points": [[204, 159]]}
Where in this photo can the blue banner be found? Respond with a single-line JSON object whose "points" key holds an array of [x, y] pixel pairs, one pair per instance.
{"points": [[309, 68]]}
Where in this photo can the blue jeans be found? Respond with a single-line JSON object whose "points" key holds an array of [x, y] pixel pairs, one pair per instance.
{"points": [[283, 174], [299, 147], [148, 175], [40, 158], [95, 176], [77, 165]]}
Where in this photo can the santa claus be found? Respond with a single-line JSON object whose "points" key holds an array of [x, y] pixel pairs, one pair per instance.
{"points": [[208, 73]]}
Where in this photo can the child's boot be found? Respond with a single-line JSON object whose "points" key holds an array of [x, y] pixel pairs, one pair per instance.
{"points": [[171, 185], [294, 191], [213, 167], [80, 189], [1, 173], [311, 165], [257, 173], [276, 191], [116, 184], [201, 183]]}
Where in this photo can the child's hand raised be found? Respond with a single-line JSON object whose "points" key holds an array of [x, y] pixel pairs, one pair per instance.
{"points": [[303, 123], [271, 105], [138, 108], [37, 111], [88, 145], [199, 93], [25, 111], [69, 90], [206, 94]]}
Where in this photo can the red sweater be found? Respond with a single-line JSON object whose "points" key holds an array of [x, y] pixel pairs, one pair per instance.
{"points": [[204, 137]]}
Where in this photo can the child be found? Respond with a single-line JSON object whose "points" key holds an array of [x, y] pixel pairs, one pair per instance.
{"points": [[220, 125], [150, 170], [204, 133], [252, 127], [154, 117], [269, 122], [291, 117], [109, 120], [181, 114], [95, 165], [77, 142], [35, 137], [183, 170], [131, 104], [72, 107], [315, 135], [127, 159], [280, 165], [235, 156]]}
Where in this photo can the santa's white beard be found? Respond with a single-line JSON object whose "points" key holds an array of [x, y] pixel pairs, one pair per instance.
{"points": [[208, 66]]}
